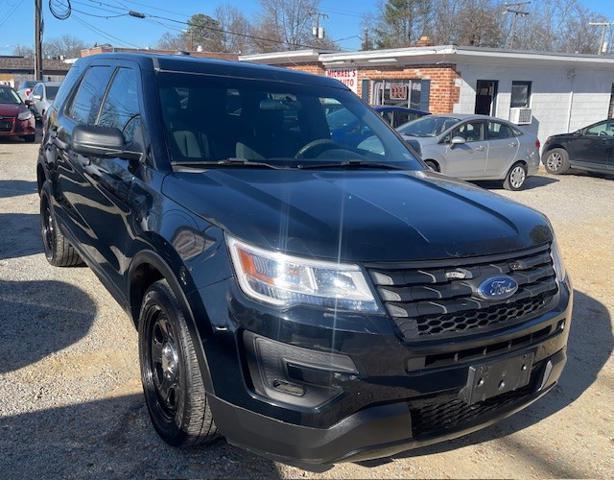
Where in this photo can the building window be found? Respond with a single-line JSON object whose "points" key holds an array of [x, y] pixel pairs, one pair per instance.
{"points": [[399, 93], [521, 94]]}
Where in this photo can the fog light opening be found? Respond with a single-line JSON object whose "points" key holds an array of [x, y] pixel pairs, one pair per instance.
{"points": [[289, 388], [561, 325]]}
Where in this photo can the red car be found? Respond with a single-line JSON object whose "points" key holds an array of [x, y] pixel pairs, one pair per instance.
{"points": [[16, 119]]}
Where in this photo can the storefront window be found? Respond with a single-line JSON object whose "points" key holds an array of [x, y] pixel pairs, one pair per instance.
{"points": [[398, 93]]}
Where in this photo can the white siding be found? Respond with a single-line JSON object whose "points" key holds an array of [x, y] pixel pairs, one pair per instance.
{"points": [[551, 93]]}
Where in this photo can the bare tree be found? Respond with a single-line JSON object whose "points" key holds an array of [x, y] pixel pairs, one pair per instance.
{"points": [[65, 46], [237, 29], [288, 23], [23, 51]]}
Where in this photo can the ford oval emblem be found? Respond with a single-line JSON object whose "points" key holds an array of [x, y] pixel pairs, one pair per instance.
{"points": [[497, 288]]}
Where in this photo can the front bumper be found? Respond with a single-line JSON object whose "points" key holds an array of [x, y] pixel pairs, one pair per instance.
{"points": [[375, 432], [12, 127], [380, 410]]}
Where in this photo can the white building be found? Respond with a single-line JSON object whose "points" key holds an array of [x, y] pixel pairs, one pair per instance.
{"points": [[547, 93]]}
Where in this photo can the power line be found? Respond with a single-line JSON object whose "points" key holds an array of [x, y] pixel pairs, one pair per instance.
{"points": [[145, 16], [108, 36], [515, 8], [11, 12]]}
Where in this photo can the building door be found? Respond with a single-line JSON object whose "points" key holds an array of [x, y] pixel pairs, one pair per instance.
{"points": [[486, 97]]}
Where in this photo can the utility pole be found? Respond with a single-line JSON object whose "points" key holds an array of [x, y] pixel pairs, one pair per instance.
{"points": [[516, 9], [317, 30], [605, 26], [38, 39]]}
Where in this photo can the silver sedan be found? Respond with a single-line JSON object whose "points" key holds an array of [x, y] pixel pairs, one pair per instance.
{"points": [[474, 147]]}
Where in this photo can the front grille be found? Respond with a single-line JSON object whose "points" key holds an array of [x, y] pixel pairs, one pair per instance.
{"points": [[436, 300], [432, 418], [6, 124]]}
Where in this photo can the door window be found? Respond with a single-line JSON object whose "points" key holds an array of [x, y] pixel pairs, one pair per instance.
{"points": [[470, 131], [38, 91], [86, 102], [604, 129], [498, 131], [400, 118], [121, 106]]}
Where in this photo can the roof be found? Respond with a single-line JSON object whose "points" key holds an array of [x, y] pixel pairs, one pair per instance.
{"points": [[12, 64], [223, 68], [393, 108], [433, 54]]}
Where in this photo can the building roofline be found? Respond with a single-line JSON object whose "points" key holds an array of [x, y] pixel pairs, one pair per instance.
{"points": [[427, 54], [290, 56]]}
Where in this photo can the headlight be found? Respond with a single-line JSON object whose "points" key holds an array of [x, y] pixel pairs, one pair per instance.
{"points": [[27, 115], [557, 261], [283, 280]]}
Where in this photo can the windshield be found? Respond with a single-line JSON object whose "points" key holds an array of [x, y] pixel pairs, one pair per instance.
{"points": [[52, 92], [428, 126], [214, 119], [9, 96]]}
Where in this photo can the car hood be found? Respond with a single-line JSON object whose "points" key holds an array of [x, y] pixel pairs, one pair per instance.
{"points": [[10, 110], [358, 216]]}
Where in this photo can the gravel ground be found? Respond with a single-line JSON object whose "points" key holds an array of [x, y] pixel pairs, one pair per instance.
{"points": [[73, 407]]}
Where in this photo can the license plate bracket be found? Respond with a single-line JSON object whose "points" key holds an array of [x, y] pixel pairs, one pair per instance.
{"points": [[492, 379]]}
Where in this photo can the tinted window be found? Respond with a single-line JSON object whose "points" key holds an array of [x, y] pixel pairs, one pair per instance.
{"points": [[68, 83], [605, 129], [521, 94], [401, 118], [121, 107], [86, 102], [470, 131], [428, 126], [52, 92], [498, 130], [218, 118]]}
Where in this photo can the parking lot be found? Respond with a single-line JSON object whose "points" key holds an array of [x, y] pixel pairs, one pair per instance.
{"points": [[72, 403]]}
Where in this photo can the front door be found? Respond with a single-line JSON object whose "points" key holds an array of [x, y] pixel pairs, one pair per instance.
{"points": [[486, 97], [466, 160], [111, 178], [595, 148]]}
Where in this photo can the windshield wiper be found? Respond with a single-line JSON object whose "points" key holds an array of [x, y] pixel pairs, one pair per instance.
{"points": [[233, 162], [351, 164]]}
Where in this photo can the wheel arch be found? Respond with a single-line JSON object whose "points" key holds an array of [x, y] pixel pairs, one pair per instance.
{"points": [[41, 177], [436, 162], [553, 146], [148, 267]]}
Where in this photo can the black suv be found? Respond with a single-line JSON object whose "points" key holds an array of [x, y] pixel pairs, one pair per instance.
{"points": [[311, 300]]}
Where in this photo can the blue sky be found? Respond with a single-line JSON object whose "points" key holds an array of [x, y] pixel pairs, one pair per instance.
{"points": [[16, 20]]}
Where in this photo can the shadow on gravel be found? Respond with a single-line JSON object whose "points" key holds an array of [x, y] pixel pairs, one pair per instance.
{"points": [[19, 235], [112, 438], [15, 188], [532, 182], [590, 346], [38, 318]]}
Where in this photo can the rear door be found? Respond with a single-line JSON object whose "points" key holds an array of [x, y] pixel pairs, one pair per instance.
{"points": [[466, 160], [503, 148]]}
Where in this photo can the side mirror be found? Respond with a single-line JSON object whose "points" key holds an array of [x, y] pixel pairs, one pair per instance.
{"points": [[28, 103], [457, 140], [100, 142]]}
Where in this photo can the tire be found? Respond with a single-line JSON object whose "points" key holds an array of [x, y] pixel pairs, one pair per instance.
{"points": [[170, 371], [432, 165], [29, 138], [557, 161], [516, 177], [58, 250]]}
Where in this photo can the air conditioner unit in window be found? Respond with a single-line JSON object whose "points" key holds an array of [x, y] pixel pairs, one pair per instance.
{"points": [[521, 115]]}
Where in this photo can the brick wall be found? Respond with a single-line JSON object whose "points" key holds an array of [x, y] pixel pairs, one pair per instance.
{"points": [[444, 94]]}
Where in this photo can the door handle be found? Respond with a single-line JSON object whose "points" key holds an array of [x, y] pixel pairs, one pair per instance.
{"points": [[513, 144], [479, 149]]}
